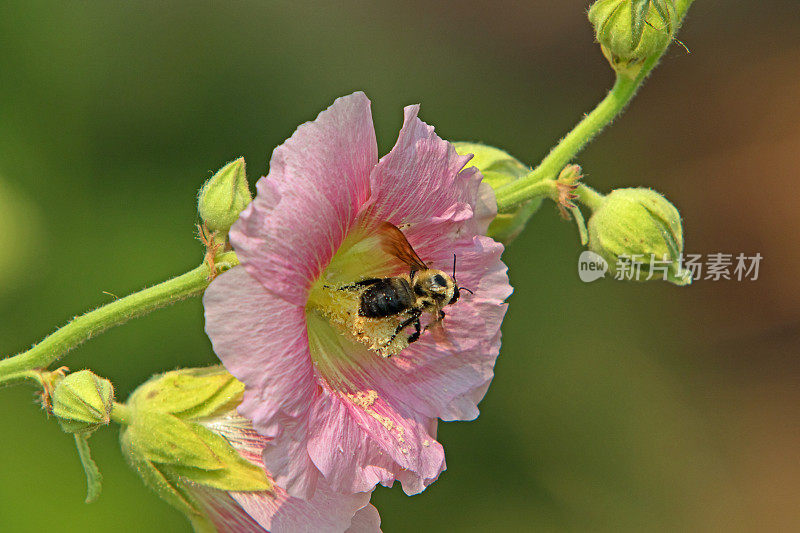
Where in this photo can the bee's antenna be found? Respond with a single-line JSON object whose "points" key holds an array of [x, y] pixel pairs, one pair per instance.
{"points": [[465, 289]]}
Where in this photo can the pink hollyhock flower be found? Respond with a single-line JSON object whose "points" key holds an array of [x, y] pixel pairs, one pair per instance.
{"points": [[341, 414], [275, 510]]}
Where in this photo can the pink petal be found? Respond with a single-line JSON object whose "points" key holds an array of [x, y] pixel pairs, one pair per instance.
{"points": [[225, 513], [317, 181], [419, 178], [262, 340], [275, 510], [366, 520], [359, 444], [326, 511]]}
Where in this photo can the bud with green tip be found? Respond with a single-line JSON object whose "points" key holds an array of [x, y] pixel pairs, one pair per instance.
{"points": [[499, 169], [630, 31], [639, 225], [82, 402], [185, 439], [224, 196]]}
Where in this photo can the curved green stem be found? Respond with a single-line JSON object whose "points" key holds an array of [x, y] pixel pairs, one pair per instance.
{"points": [[84, 327], [512, 195], [19, 377]]}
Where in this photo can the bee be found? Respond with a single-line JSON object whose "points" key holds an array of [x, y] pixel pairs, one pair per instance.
{"points": [[387, 306]]}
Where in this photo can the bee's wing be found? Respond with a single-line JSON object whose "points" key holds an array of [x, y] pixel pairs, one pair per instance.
{"points": [[395, 243]]}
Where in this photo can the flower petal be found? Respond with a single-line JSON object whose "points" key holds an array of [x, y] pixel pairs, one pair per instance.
{"points": [[275, 510], [366, 520], [419, 178], [326, 511], [262, 340], [225, 513], [317, 181], [362, 439]]}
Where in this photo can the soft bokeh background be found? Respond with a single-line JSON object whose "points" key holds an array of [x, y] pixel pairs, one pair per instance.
{"points": [[616, 407]]}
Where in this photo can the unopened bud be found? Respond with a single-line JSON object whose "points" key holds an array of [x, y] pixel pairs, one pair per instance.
{"points": [[639, 226], [499, 169], [630, 31], [82, 402], [169, 444], [224, 196]]}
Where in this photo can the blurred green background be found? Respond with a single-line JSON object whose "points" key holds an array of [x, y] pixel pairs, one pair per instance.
{"points": [[615, 407]]}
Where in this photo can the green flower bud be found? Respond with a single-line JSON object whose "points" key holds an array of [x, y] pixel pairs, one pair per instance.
{"points": [[82, 402], [499, 169], [638, 232], [224, 196], [189, 393], [630, 31], [170, 439]]}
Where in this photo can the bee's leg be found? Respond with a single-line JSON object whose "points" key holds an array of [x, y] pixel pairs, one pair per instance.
{"points": [[417, 330], [413, 319]]}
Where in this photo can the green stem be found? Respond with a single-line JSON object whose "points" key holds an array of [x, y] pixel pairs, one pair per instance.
{"points": [[19, 377], [86, 326], [121, 414], [512, 195], [515, 193], [589, 197]]}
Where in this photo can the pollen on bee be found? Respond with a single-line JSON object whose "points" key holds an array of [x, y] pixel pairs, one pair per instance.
{"points": [[340, 306]]}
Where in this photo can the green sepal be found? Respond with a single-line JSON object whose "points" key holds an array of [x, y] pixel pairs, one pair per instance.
{"points": [[493, 163], [154, 477], [191, 393], [236, 473], [639, 10], [94, 479], [193, 452], [583, 233], [165, 439]]}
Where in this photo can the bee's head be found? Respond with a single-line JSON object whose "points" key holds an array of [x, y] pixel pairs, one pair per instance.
{"points": [[435, 285]]}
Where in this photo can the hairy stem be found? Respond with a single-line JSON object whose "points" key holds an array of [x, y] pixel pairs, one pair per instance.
{"points": [[19, 377], [86, 326], [512, 195], [121, 414], [589, 197]]}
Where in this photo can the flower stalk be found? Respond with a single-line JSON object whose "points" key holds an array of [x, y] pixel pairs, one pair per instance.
{"points": [[589, 197], [82, 328], [624, 89]]}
